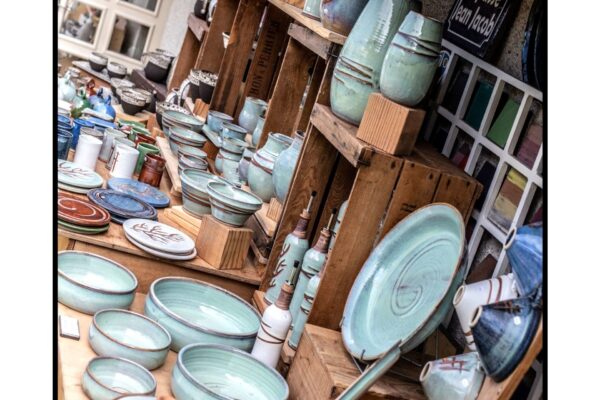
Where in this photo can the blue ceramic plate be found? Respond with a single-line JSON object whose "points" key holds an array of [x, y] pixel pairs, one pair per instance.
{"points": [[77, 176], [406, 285], [123, 206], [100, 122], [142, 191]]}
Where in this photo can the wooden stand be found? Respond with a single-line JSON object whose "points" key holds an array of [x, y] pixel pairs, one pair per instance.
{"points": [[184, 220], [222, 246], [389, 126], [275, 210]]}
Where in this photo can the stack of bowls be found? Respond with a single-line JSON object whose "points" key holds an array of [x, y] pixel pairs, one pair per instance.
{"points": [[163, 106], [157, 67], [116, 70], [230, 155], [181, 137], [132, 101], [191, 163], [193, 153], [116, 84], [98, 61], [194, 184], [231, 205], [172, 118], [202, 85]]}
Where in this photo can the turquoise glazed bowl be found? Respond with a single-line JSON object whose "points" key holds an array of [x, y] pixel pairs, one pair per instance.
{"points": [[233, 131], [187, 136], [89, 283], [222, 372], [231, 205], [106, 378], [456, 377], [192, 152], [193, 185], [197, 312], [525, 250], [234, 145], [215, 120], [405, 288], [125, 334]]}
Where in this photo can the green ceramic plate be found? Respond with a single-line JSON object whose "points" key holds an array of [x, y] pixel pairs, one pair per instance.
{"points": [[82, 229]]}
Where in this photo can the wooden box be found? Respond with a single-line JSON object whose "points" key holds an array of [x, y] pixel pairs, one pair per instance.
{"points": [[323, 369], [222, 246], [390, 127]]}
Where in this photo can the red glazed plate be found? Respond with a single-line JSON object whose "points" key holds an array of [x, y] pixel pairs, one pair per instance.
{"points": [[81, 212]]}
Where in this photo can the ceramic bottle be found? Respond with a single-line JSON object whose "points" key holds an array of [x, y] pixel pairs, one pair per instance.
{"points": [[338, 222], [260, 171], [252, 110], [341, 15], [305, 307], [283, 170], [293, 250]]}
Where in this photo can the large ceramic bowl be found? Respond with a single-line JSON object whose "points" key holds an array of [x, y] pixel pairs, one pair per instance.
{"points": [[89, 283], [231, 205], [187, 136], [233, 131], [197, 312], [405, 287], [120, 333], [192, 152], [193, 185], [171, 117], [106, 378], [222, 372]]}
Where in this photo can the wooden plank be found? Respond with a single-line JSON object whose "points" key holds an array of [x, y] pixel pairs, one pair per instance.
{"points": [[172, 164], [183, 223], [310, 23], [237, 53], [198, 26], [274, 210], [138, 76], [303, 117], [341, 134], [223, 246], [268, 225], [368, 201], [211, 54], [152, 126], [309, 39], [289, 90], [185, 60], [324, 95]]}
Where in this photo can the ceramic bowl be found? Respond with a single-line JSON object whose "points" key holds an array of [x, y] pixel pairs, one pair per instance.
{"points": [[97, 61], [176, 118], [89, 283], [116, 70], [187, 136], [202, 85], [193, 186], [231, 205], [231, 130], [199, 164], [197, 312], [234, 145], [106, 378], [192, 152], [222, 372], [157, 68], [163, 106], [216, 119]]}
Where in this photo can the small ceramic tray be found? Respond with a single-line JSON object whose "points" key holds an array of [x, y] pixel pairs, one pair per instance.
{"points": [[141, 190], [80, 212], [121, 204], [75, 175], [159, 237]]}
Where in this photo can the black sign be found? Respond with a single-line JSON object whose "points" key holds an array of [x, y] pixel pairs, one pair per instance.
{"points": [[479, 26]]}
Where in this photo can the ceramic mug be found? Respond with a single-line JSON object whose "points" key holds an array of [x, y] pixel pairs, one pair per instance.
{"points": [[113, 146], [453, 378], [110, 134], [152, 170], [87, 151], [144, 149], [125, 159], [469, 297], [63, 139]]}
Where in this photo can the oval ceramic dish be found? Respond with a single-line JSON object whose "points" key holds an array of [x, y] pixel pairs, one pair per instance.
{"points": [[80, 212], [142, 191], [168, 256], [120, 333], [106, 378], [123, 205], [158, 236], [406, 285], [90, 283], [74, 175], [197, 312], [222, 372]]}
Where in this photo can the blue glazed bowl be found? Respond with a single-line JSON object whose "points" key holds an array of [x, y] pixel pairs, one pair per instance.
{"points": [[125, 334], [222, 372], [197, 312], [525, 250], [106, 378], [89, 283], [215, 120]]}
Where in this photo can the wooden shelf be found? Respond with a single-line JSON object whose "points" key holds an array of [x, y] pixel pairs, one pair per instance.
{"points": [[312, 24], [172, 165], [198, 26], [139, 78]]}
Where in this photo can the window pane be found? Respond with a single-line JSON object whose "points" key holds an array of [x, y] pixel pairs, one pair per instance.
{"points": [[81, 22], [128, 38], [147, 4]]}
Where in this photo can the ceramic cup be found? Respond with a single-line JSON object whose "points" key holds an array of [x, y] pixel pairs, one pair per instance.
{"points": [[453, 378], [469, 297], [125, 160], [87, 151], [152, 170], [144, 149], [63, 144], [116, 141], [110, 134]]}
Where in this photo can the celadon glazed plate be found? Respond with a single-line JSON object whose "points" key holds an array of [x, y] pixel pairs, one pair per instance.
{"points": [[75, 175], [159, 236], [142, 191], [405, 287], [160, 254]]}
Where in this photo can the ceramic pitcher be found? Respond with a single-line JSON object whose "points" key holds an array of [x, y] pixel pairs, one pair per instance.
{"points": [[341, 15], [453, 378], [253, 109], [66, 88], [260, 170], [283, 170]]}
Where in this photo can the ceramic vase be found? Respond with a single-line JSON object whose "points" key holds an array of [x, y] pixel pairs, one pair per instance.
{"points": [[284, 167], [409, 66], [260, 171], [453, 378], [312, 9], [338, 222], [63, 144], [245, 163], [253, 109], [124, 162], [305, 308], [503, 332], [357, 71], [341, 15], [88, 149], [110, 134], [257, 133], [525, 251]]}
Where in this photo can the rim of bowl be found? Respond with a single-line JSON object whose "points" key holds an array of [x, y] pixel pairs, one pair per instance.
{"points": [[234, 127], [188, 180], [118, 310], [121, 359], [235, 350], [179, 319], [65, 276], [210, 189], [220, 115]]}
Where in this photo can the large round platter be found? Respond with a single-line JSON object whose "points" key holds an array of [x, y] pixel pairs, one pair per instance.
{"points": [[159, 236], [406, 285], [142, 191], [80, 212], [160, 254], [122, 205], [82, 229], [75, 175]]}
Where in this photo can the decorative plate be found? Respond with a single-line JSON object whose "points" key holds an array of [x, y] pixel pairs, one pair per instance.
{"points": [[82, 229], [142, 191], [81, 212], [405, 287], [160, 254], [159, 236], [75, 175], [73, 189], [121, 204]]}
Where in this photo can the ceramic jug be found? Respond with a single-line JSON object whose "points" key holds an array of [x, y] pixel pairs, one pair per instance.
{"points": [[253, 108], [341, 15], [283, 170], [453, 378], [312, 9], [525, 251], [66, 88], [260, 171], [257, 133]]}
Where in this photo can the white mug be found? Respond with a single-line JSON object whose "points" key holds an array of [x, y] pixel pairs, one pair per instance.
{"points": [[124, 161], [469, 297], [109, 137], [87, 151]]}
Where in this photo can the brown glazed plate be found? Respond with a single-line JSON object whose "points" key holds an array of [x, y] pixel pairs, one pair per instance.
{"points": [[81, 212]]}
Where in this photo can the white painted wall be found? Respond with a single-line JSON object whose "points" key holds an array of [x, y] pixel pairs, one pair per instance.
{"points": [[176, 25]]}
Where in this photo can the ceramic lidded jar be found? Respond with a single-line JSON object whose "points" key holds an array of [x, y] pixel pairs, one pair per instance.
{"points": [[453, 378], [283, 170], [253, 109], [260, 171], [341, 15], [257, 133]]}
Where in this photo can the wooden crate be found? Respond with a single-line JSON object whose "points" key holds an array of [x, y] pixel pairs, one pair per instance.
{"points": [[171, 165], [275, 209], [223, 246]]}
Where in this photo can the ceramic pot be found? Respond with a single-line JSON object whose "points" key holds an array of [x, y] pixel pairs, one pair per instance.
{"points": [[253, 108], [77, 124], [260, 171], [453, 378], [98, 61], [341, 15], [245, 163], [231, 205], [312, 9], [284, 167], [365, 50], [63, 144], [116, 70], [88, 149], [202, 85], [152, 170], [503, 332], [193, 186], [257, 133], [525, 250], [144, 149], [234, 131], [157, 68], [125, 160], [469, 297], [106, 378]]}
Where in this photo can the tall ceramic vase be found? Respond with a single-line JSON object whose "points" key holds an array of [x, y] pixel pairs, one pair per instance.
{"points": [[341, 15], [525, 251], [260, 171], [358, 68], [283, 170]]}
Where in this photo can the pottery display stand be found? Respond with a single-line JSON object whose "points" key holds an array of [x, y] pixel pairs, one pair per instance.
{"points": [[171, 165], [275, 209], [184, 220], [391, 127], [221, 245], [261, 240]]}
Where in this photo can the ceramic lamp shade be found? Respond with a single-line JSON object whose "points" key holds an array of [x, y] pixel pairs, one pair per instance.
{"points": [[87, 151], [526, 254], [125, 160]]}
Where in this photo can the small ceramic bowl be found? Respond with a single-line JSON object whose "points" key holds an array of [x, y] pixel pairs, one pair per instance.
{"points": [[232, 205], [222, 372], [97, 61], [157, 68], [106, 378], [119, 333], [216, 119], [192, 152], [233, 131], [89, 283], [197, 312], [116, 70], [234, 145], [193, 186], [132, 105]]}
